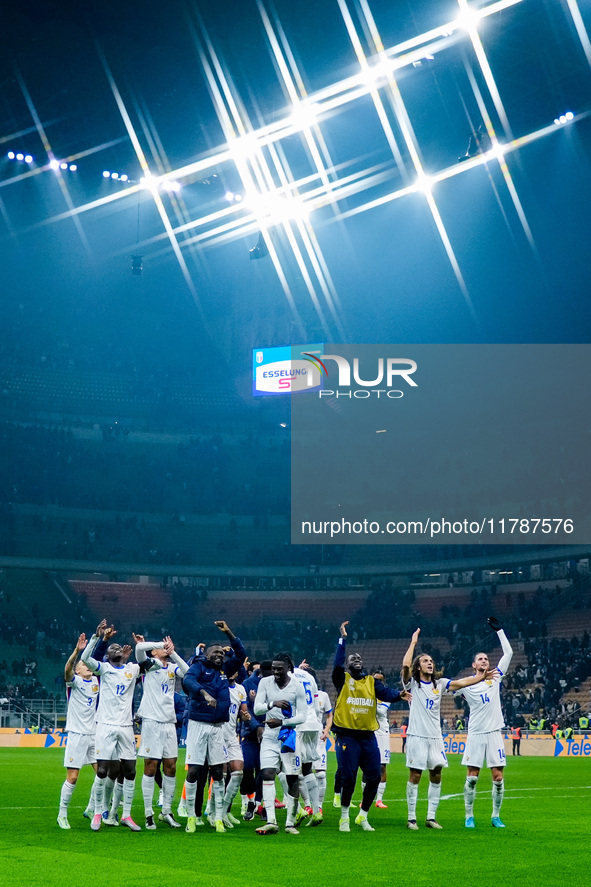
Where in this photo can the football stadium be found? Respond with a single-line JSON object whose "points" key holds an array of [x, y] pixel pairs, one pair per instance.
{"points": [[295, 531]]}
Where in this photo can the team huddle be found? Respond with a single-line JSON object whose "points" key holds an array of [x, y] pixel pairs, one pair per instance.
{"points": [[244, 731]]}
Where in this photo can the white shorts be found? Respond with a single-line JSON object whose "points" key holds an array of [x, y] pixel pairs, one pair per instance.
{"points": [[484, 746], [233, 747], [79, 750], [308, 742], [273, 758], [320, 762], [423, 753], [205, 742], [384, 747], [114, 743], [158, 740]]}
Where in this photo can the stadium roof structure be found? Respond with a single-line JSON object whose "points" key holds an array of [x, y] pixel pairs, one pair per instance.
{"points": [[417, 170]]}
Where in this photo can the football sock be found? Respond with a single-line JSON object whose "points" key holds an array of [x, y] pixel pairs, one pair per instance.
{"points": [[312, 787], [90, 804], [109, 785], [292, 806], [99, 794], [148, 794], [115, 798], [304, 790], [232, 789], [381, 790], [498, 790], [269, 799], [168, 787], [345, 812], [433, 796], [216, 804], [65, 797], [470, 794], [190, 794], [321, 780], [128, 790], [412, 792]]}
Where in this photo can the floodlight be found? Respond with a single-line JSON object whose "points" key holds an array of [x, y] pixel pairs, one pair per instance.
{"points": [[54, 164], [497, 151], [124, 177], [106, 174], [380, 71], [424, 183], [11, 155], [114, 175], [20, 156], [276, 208], [63, 165], [467, 19], [569, 115], [304, 115], [73, 167], [245, 147], [28, 158]]}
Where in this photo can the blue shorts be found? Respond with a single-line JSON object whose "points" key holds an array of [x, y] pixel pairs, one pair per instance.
{"points": [[358, 751]]}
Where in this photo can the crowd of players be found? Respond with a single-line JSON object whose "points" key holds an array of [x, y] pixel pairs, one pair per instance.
{"points": [[250, 724]]}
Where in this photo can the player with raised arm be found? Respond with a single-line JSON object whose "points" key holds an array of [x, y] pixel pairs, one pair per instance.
{"points": [[159, 735], [83, 688], [424, 746], [485, 741], [281, 700], [206, 685], [354, 725], [115, 740]]}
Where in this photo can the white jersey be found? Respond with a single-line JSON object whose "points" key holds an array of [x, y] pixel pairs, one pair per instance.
{"points": [[484, 698], [324, 706], [158, 700], [424, 718], [237, 697], [82, 698], [311, 690], [117, 686], [116, 696], [382, 709], [268, 692]]}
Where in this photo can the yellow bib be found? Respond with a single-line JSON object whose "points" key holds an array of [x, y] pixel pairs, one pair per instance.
{"points": [[355, 708]]}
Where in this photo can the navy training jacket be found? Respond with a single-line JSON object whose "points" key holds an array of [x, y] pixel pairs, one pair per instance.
{"points": [[202, 676]]}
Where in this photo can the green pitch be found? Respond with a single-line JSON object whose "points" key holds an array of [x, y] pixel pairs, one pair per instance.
{"points": [[546, 811]]}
